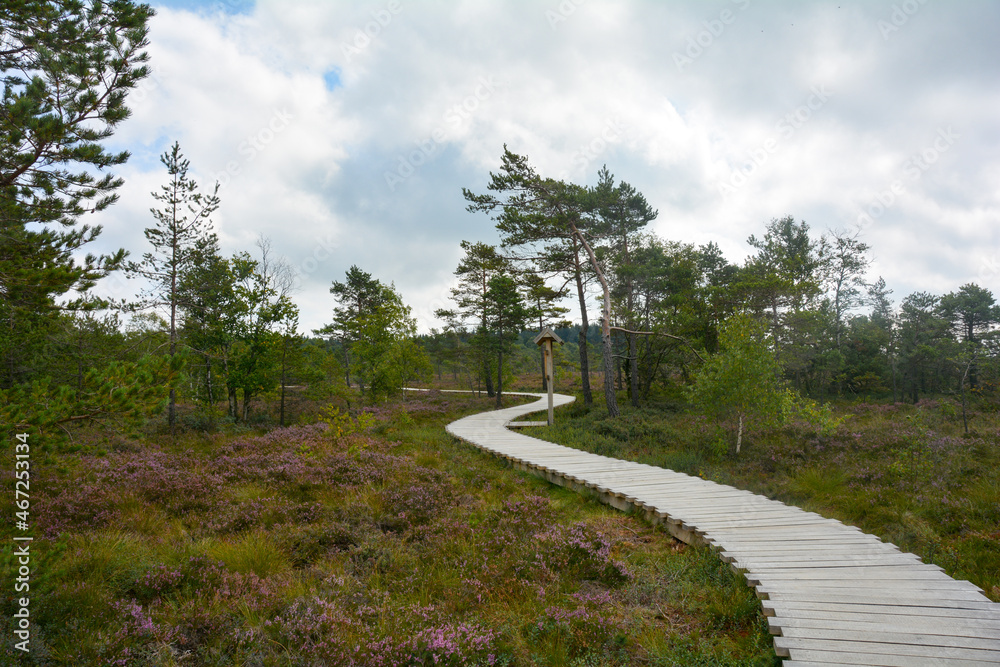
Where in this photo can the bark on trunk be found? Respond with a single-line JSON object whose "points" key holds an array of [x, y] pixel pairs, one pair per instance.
{"points": [[500, 378], [609, 380], [588, 397], [633, 361], [488, 377], [739, 434]]}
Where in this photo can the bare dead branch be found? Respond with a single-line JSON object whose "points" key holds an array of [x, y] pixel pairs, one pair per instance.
{"points": [[659, 333]]}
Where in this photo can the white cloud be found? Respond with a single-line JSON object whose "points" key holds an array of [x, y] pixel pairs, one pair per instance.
{"points": [[601, 86]]}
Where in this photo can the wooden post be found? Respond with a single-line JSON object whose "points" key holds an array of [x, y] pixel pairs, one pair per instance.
{"points": [[545, 340], [547, 351]]}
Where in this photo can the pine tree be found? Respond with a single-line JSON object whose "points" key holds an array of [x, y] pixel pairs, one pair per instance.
{"points": [[181, 225], [476, 269], [358, 296], [537, 211], [624, 212], [505, 317], [67, 68]]}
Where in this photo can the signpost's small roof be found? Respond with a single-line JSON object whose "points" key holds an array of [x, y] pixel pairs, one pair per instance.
{"points": [[547, 334]]}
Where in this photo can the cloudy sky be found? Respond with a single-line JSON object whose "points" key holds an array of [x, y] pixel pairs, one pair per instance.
{"points": [[345, 131]]}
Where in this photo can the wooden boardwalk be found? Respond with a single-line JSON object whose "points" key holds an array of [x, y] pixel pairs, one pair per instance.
{"points": [[833, 595]]}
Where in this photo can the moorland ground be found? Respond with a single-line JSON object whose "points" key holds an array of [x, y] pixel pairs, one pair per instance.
{"points": [[375, 539]]}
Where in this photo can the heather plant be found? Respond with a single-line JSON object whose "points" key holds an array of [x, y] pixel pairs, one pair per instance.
{"points": [[393, 546]]}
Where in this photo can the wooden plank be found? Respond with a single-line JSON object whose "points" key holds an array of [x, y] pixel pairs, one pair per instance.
{"points": [[741, 514], [985, 656], [784, 546], [809, 609], [820, 658], [851, 598], [891, 574], [827, 537], [901, 624], [868, 596], [891, 637], [707, 526], [814, 559]]}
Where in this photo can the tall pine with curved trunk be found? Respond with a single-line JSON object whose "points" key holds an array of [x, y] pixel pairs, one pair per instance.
{"points": [[537, 211], [182, 226]]}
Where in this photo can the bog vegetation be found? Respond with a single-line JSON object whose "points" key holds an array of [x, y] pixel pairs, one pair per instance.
{"points": [[214, 482]]}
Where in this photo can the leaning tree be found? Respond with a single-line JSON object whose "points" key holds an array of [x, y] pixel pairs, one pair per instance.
{"points": [[534, 211]]}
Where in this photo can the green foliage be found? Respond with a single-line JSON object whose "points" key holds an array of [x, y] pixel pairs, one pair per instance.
{"points": [[821, 417], [505, 316], [261, 307], [376, 330], [66, 68], [119, 396], [387, 356], [343, 424], [741, 380]]}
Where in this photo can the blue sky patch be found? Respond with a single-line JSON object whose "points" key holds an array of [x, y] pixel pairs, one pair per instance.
{"points": [[208, 6], [332, 79]]}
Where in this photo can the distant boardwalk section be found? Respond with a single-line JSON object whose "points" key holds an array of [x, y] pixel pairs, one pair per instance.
{"points": [[833, 595]]}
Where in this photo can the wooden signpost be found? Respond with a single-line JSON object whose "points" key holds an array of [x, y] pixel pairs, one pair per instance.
{"points": [[545, 340]]}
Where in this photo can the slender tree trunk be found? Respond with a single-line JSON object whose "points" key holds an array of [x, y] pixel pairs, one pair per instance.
{"points": [[619, 365], [79, 363], [973, 371], [284, 355], [606, 349], [892, 365], [347, 365], [500, 377], [777, 345], [633, 347], [965, 418], [174, 268], [633, 360], [588, 397], [172, 409], [609, 372], [210, 399], [488, 378], [739, 434]]}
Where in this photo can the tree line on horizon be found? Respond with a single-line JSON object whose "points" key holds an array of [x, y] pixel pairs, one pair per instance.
{"points": [[674, 320], [662, 304]]}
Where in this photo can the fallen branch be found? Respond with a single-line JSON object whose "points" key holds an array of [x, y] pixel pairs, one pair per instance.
{"points": [[657, 333]]}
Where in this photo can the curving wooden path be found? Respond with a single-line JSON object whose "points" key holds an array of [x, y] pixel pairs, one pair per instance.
{"points": [[833, 595]]}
